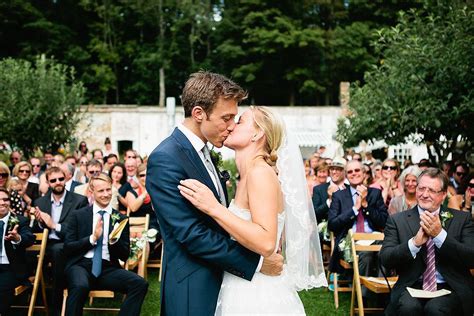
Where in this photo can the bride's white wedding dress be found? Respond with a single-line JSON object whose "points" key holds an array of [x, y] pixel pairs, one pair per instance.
{"points": [[264, 295]]}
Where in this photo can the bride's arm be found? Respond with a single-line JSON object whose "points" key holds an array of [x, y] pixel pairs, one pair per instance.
{"points": [[264, 200]]}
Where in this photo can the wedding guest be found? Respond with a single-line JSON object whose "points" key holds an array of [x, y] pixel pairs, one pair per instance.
{"points": [[93, 259], [406, 201], [376, 171], [368, 177], [108, 147], [36, 170], [468, 203], [22, 170], [110, 160], [388, 183], [82, 150], [131, 168], [119, 182], [15, 237], [321, 173], [53, 212], [98, 155], [4, 175], [81, 175], [431, 248], [310, 176], [461, 171], [358, 208], [68, 171], [18, 204], [48, 158], [15, 157]]}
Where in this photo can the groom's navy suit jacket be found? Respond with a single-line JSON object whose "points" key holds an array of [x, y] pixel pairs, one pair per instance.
{"points": [[197, 250]]}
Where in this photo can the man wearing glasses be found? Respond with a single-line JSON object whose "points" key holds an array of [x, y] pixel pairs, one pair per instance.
{"points": [[358, 208], [432, 248], [52, 211], [93, 168], [36, 170]]}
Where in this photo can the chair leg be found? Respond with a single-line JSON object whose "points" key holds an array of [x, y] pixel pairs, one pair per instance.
{"points": [[336, 291], [353, 298], [63, 308], [43, 294]]}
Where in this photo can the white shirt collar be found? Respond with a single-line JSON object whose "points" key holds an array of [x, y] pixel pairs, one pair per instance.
{"points": [[96, 208], [5, 219], [195, 141], [61, 200], [420, 210]]}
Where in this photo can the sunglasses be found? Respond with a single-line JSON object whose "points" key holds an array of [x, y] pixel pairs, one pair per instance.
{"points": [[461, 174], [357, 170], [471, 185], [36, 166], [389, 168], [94, 173], [142, 175], [83, 162], [5, 199], [4, 175], [24, 171], [61, 179]]}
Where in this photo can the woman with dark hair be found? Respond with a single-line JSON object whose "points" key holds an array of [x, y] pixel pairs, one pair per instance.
{"points": [[82, 150], [119, 182]]}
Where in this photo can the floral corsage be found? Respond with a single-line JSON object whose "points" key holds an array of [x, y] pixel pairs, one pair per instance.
{"points": [[445, 216], [115, 217], [12, 221]]}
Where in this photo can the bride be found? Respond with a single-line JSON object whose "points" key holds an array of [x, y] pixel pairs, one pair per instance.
{"points": [[271, 208]]}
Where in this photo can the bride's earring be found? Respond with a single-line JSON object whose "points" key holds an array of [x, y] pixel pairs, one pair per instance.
{"points": [[253, 138]]}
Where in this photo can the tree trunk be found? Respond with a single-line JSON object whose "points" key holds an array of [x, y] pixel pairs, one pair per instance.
{"points": [[162, 88]]}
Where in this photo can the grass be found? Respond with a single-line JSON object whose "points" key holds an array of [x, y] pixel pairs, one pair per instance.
{"points": [[316, 301]]}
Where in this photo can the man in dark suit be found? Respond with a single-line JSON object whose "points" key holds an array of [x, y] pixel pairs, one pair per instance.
{"points": [[52, 211], [431, 248], [15, 237], [93, 259], [197, 249], [358, 208], [322, 194]]}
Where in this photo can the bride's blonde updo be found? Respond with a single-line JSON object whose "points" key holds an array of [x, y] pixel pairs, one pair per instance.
{"points": [[272, 126]]}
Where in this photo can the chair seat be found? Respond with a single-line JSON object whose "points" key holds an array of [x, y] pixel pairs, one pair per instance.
{"points": [[378, 285]]}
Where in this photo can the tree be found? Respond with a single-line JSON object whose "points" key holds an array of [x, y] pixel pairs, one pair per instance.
{"points": [[39, 104], [422, 88]]}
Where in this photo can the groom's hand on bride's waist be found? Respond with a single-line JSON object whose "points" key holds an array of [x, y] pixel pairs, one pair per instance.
{"points": [[272, 265]]}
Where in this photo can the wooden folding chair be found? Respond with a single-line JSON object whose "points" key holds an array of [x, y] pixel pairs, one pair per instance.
{"points": [[157, 263], [137, 226], [37, 280], [339, 285], [374, 284], [92, 295]]}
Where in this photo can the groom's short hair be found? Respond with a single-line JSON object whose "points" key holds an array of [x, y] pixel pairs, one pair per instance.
{"points": [[204, 88]]}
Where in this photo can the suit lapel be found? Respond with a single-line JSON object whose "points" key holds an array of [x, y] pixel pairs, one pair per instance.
{"points": [[48, 207], [88, 221], [413, 218], [66, 206], [193, 163]]}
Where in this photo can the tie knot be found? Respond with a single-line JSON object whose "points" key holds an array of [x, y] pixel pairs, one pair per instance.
{"points": [[101, 213]]}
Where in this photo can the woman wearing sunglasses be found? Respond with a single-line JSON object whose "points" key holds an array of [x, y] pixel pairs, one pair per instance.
{"points": [[4, 175], [22, 171], [388, 183]]}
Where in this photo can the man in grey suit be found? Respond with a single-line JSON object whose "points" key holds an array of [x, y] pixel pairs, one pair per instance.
{"points": [[432, 248], [52, 212]]}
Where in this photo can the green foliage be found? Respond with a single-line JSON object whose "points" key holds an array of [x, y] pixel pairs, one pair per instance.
{"points": [[39, 103], [422, 88]]}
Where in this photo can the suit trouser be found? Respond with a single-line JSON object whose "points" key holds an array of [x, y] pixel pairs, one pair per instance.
{"points": [[443, 305], [8, 282], [54, 254], [80, 281]]}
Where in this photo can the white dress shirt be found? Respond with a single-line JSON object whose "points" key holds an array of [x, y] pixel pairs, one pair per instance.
{"points": [[105, 233], [56, 210]]}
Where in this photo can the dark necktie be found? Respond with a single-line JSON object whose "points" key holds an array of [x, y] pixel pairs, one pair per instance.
{"points": [[212, 169], [97, 259], [2, 223], [429, 276]]}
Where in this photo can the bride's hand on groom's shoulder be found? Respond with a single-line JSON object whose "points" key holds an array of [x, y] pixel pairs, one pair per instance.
{"points": [[199, 195]]}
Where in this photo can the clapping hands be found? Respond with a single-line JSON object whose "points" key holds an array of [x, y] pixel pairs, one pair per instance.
{"points": [[430, 226]]}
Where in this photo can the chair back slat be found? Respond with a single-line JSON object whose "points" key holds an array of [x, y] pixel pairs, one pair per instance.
{"points": [[368, 248]]}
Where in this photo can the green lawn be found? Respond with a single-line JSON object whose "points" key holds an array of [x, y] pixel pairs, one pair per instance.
{"points": [[316, 302]]}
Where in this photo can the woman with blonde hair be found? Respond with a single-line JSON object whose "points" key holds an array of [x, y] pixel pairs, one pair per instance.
{"points": [[22, 171], [4, 175], [388, 183], [271, 200]]}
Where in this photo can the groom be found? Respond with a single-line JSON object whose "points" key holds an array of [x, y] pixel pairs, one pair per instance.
{"points": [[197, 249]]}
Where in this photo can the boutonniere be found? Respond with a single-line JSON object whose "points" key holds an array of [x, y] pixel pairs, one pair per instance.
{"points": [[115, 217], [445, 216], [12, 221], [216, 158]]}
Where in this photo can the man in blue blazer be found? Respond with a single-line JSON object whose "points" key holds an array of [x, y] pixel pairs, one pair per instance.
{"points": [[197, 250], [358, 208]]}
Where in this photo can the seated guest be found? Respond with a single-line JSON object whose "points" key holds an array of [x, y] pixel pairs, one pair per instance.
{"points": [[358, 208], [22, 171], [93, 258], [53, 211], [407, 200], [119, 182], [322, 194], [110, 160], [389, 183], [15, 237], [431, 248], [68, 171], [321, 173], [4, 175]]}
